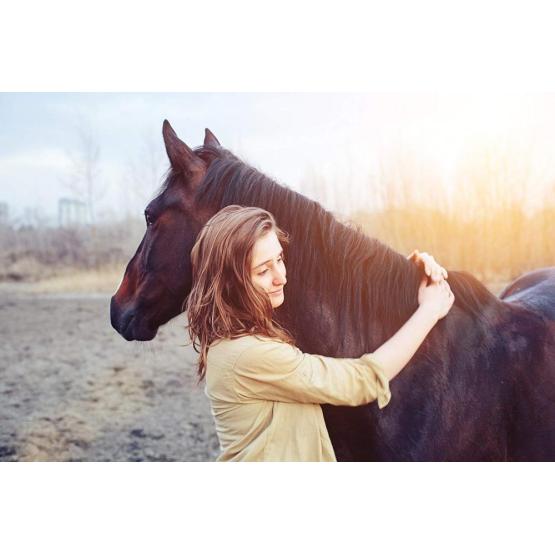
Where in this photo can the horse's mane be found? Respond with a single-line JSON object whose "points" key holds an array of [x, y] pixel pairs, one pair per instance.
{"points": [[367, 280]]}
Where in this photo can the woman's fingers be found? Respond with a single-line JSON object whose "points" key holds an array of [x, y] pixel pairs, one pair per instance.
{"points": [[420, 259], [433, 269], [429, 264], [413, 255]]}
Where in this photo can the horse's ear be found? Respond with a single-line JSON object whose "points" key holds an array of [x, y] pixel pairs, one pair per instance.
{"points": [[182, 158], [210, 139]]}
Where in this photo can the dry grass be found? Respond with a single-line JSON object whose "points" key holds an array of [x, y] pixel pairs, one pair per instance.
{"points": [[84, 281], [496, 247]]}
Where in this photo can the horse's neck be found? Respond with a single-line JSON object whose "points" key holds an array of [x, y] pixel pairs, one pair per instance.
{"points": [[338, 321], [334, 318]]}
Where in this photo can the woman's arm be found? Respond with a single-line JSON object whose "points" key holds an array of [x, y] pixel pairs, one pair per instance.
{"points": [[272, 370], [435, 301], [275, 371]]}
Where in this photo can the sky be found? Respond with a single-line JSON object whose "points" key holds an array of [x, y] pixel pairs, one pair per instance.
{"points": [[346, 139]]}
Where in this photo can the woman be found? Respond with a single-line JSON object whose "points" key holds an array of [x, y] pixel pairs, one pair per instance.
{"points": [[265, 394]]}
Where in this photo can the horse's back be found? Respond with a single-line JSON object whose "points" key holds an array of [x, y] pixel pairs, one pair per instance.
{"points": [[533, 431], [534, 290]]}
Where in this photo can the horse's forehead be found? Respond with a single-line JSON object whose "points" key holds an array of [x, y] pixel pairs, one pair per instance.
{"points": [[171, 197], [173, 206]]}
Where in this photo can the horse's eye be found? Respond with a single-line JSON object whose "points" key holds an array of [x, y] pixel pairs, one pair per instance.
{"points": [[148, 218]]}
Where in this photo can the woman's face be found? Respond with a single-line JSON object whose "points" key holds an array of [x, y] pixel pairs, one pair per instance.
{"points": [[268, 267]]}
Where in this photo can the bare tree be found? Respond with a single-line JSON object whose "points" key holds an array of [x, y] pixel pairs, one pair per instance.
{"points": [[83, 177]]}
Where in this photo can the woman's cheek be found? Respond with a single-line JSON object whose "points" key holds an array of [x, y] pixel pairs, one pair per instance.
{"points": [[263, 282], [268, 283], [258, 282]]}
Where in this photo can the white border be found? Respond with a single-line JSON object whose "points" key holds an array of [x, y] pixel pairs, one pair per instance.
{"points": [[290, 46], [296, 45]]}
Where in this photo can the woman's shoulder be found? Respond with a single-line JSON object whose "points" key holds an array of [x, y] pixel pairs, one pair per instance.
{"points": [[245, 345], [242, 342]]}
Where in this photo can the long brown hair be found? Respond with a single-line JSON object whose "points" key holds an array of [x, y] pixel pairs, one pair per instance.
{"points": [[224, 303]]}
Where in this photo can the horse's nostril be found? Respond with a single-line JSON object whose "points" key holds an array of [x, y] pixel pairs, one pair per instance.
{"points": [[126, 318]]}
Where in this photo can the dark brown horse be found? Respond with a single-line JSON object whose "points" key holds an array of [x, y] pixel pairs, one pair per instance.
{"points": [[481, 387]]}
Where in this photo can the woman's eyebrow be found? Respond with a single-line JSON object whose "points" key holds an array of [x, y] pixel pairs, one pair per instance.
{"points": [[269, 260]]}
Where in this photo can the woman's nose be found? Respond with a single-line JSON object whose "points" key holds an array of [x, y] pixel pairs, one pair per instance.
{"points": [[279, 277]]}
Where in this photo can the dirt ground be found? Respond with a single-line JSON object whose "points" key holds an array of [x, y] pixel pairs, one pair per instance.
{"points": [[72, 389]]}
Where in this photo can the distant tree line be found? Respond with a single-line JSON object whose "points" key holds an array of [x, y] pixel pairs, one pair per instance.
{"points": [[30, 253]]}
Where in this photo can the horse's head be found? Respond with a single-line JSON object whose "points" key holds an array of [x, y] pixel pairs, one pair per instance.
{"points": [[158, 278]]}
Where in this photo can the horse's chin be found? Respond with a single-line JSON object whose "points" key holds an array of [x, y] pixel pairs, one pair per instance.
{"points": [[139, 331], [142, 335]]}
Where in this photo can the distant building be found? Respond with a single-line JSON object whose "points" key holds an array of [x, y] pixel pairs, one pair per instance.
{"points": [[71, 212], [4, 213]]}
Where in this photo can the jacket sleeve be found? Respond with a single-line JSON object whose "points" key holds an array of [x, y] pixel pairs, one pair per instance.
{"points": [[276, 371]]}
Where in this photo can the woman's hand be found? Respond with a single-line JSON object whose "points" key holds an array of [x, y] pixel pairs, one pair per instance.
{"points": [[431, 268], [436, 297]]}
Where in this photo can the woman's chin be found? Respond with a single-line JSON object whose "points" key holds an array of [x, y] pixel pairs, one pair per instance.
{"points": [[277, 301]]}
